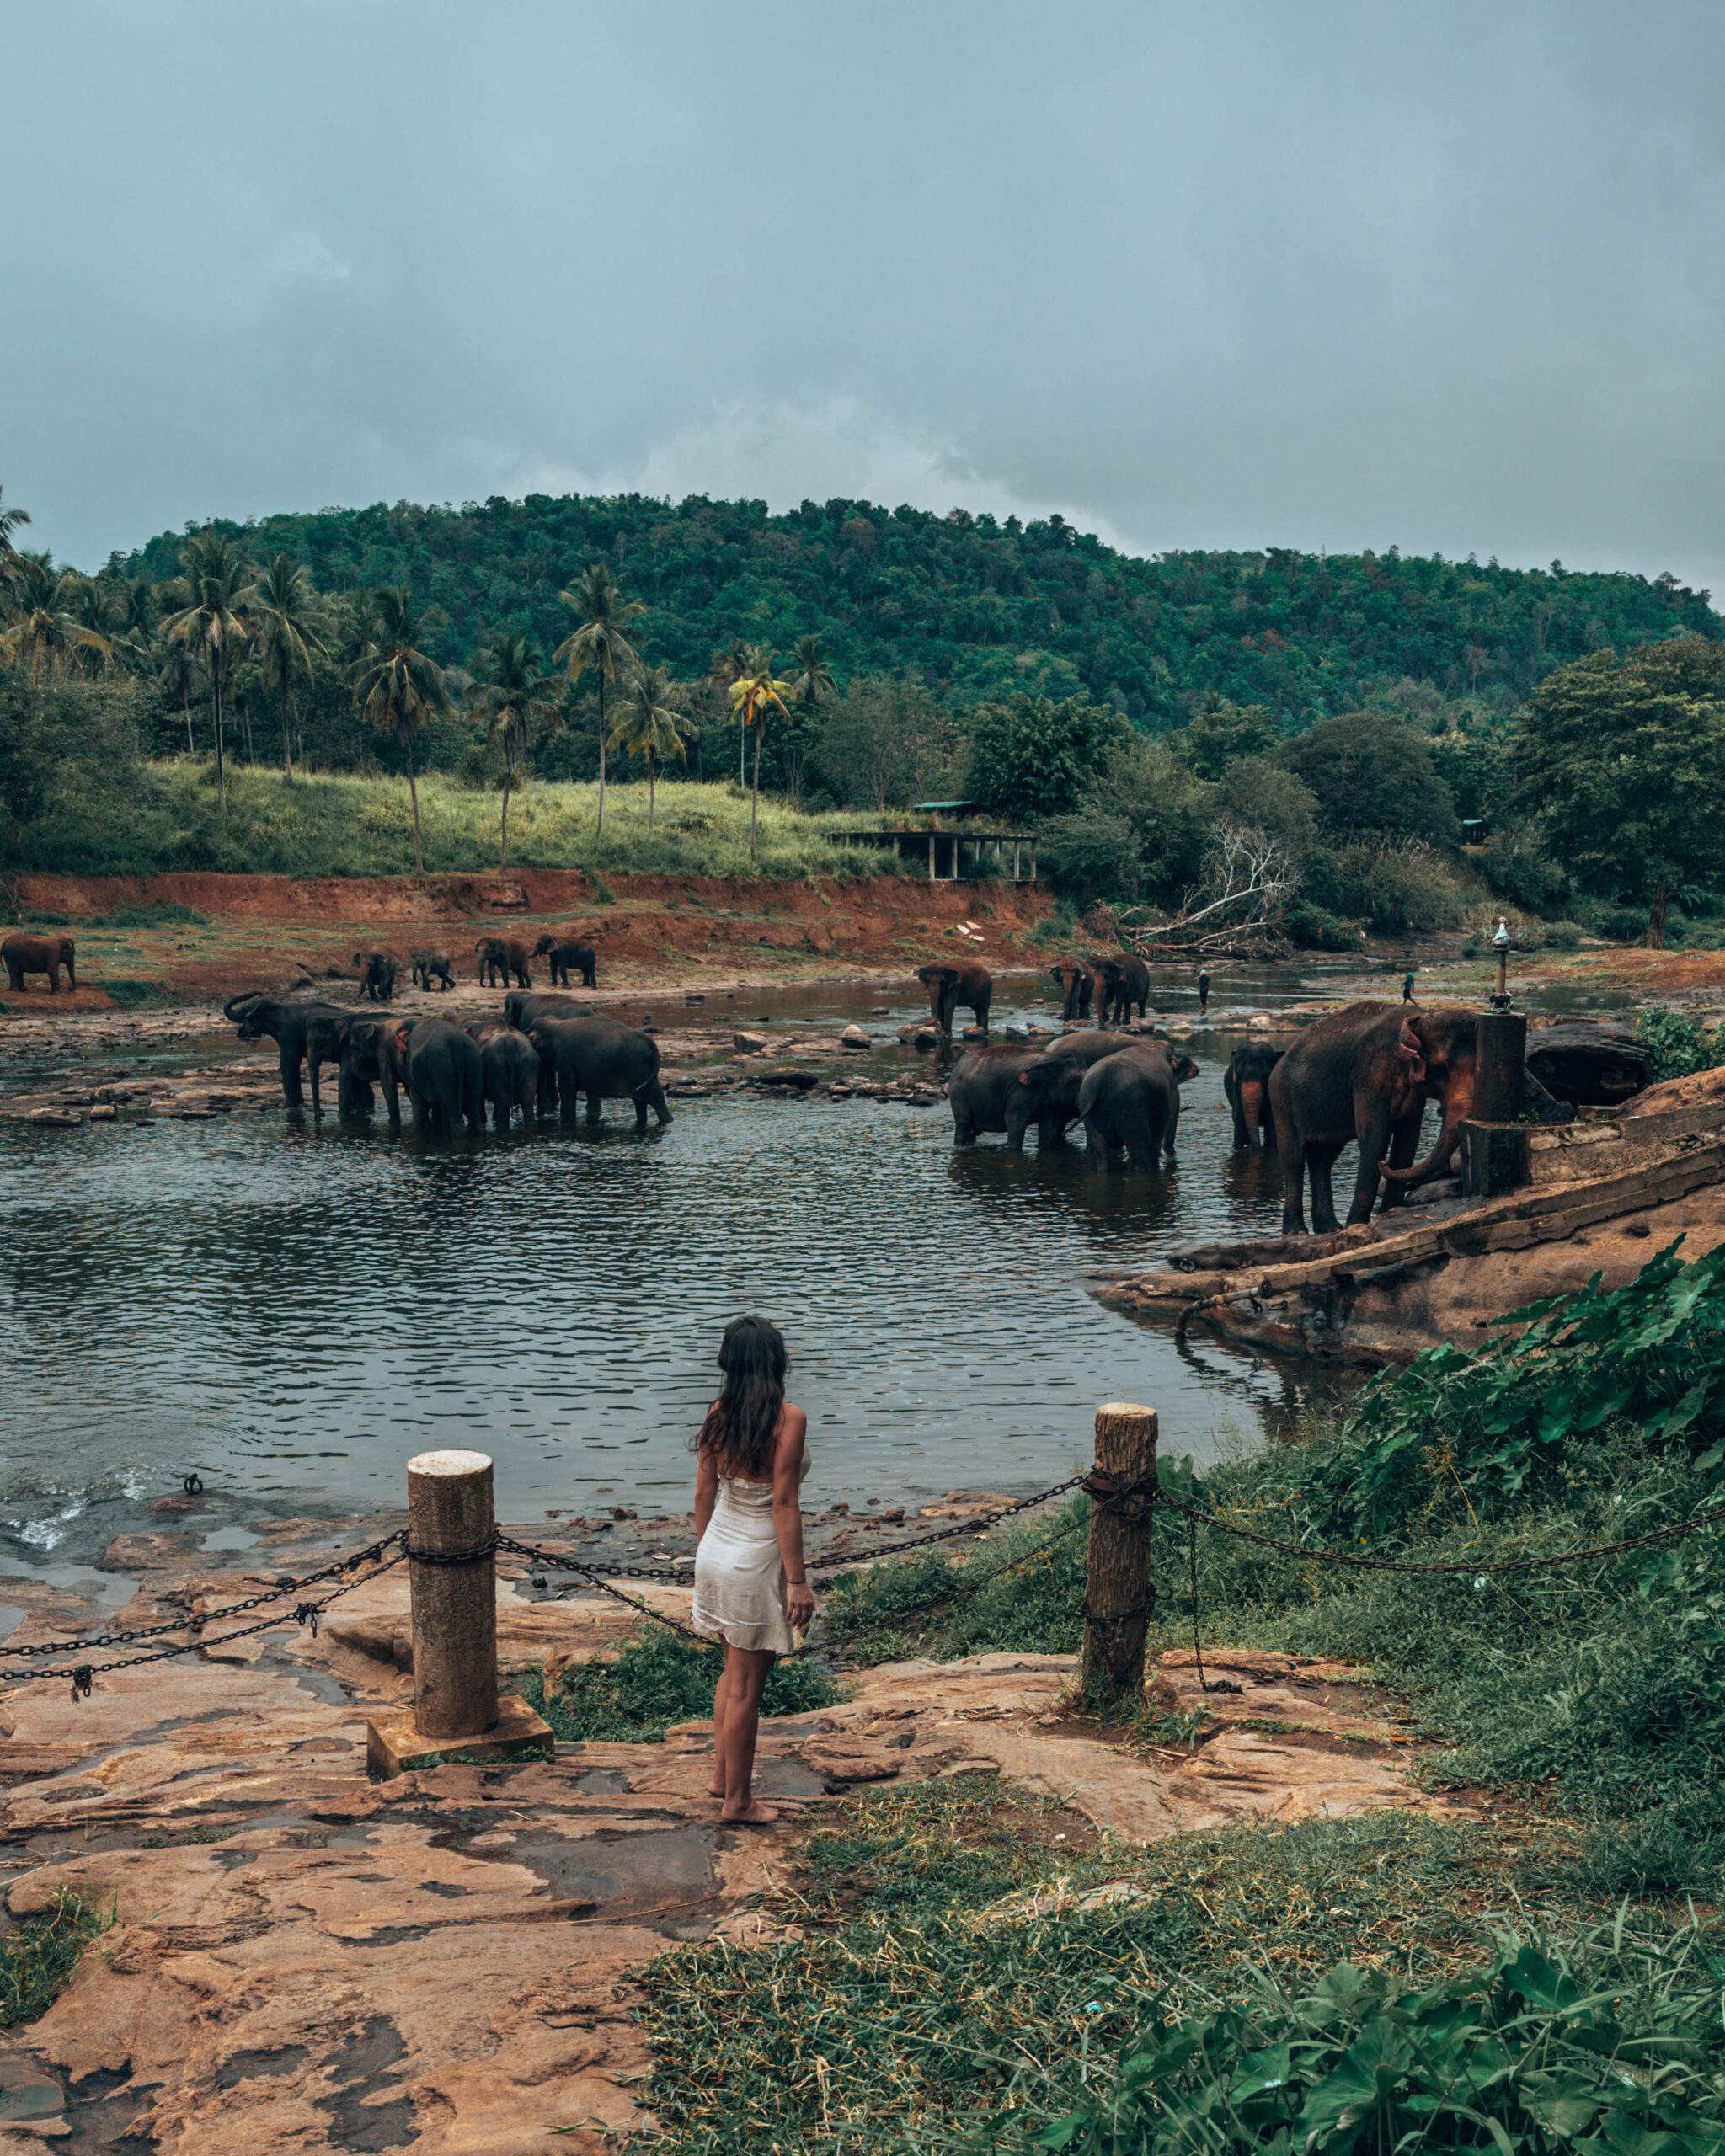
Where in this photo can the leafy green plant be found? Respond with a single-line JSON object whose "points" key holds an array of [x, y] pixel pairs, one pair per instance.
{"points": [[1604, 2044], [655, 1682], [1678, 1045]]}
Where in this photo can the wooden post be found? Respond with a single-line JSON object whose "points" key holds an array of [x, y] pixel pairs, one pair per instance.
{"points": [[1017, 844], [1117, 1574], [457, 1713], [931, 857], [450, 1513]]}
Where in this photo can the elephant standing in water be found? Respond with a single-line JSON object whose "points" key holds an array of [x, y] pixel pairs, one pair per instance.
{"points": [[311, 1033], [444, 1073], [602, 1059], [1131, 1103], [1246, 1083], [1078, 984], [39, 954], [1121, 981], [952, 983], [985, 1094], [1366, 1073], [1050, 1082], [511, 1065], [567, 951]]}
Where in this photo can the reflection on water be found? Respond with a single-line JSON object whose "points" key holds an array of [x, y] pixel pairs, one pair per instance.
{"points": [[293, 1310]]}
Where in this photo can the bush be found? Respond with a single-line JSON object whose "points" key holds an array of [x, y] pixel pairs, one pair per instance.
{"points": [[1314, 929], [1398, 887], [1678, 1046], [657, 1680], [1517, 867]]}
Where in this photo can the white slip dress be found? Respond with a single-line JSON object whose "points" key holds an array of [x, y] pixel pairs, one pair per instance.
{"points": [[740, 1575]]}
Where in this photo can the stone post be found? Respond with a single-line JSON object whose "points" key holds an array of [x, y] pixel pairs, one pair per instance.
{"points": [[1117, 1570], [458, 1715]]}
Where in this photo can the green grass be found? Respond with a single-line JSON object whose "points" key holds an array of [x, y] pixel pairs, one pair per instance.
{"points": [[956, 1966], [37, 1960], [655, 1682], [325, 826]]}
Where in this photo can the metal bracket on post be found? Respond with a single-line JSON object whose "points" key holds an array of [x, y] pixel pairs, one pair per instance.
{"points": [[458, 1715]]}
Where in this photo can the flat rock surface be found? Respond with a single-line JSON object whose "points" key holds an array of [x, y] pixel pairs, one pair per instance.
{"points": [[303, 1960]]}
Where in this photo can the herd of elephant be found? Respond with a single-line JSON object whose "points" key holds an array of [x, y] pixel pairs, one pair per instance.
{"points": [[502, 961], [1363, 1074], [534, 1060]]}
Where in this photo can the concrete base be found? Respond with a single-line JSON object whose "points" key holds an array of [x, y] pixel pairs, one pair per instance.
{"points": [[394, 1746], [1494, 1158]]}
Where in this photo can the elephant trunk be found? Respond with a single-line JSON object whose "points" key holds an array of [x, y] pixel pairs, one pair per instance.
{"points": [[1458, 1105], [231, 1009]]}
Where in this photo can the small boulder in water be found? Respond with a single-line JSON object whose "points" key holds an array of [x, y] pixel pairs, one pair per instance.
{"points": [[854, 1037]]}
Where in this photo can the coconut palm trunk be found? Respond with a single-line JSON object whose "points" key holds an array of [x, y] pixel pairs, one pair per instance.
{"points": [[216, 714], [407, 743], [191, 746], [503, 858], [601, 750], [651, 785], [754, 795], [286, 733]]}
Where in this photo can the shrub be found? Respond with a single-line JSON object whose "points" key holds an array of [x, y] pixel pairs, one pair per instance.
{"points": [[657, 1680], [1314, 929], [1517, 867], [1678, 1045], [1398, 886], [38, 1958]]}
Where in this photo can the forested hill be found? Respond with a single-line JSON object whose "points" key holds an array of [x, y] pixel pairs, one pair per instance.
{"points": [[979, 607]]}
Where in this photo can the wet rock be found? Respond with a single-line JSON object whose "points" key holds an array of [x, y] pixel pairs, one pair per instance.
{"points": [[854, 1037], [793, 1080], [57, 1118], [750, 1043], [974, 1033], [104, 1112], [879, 1009]]}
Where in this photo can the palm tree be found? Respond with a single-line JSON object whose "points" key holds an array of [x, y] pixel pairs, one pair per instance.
{"points": [[727, 664], [813, 682], [292, 643], [176, 676], [47, 628], [10, 519], [214, 620], [751, 693], [135, 636], [513, 695], [603, 614], [650, 725], [398, 686]]}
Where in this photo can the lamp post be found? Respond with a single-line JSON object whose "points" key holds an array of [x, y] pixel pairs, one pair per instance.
{"points": [[1500, 944]]}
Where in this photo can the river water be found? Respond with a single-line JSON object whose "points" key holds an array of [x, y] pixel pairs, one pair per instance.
{"points": [[292, 1311]]}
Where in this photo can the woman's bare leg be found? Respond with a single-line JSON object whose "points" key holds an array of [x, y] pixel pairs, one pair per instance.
{"points": [[748, 1670], [721, 1699]]}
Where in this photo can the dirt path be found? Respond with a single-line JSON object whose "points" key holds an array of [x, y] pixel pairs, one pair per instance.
{"points": [[303, 1958]]}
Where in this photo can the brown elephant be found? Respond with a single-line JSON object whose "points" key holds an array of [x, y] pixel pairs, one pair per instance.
{"points": [[377, 971], [1130, 1102], [39, 954], [1078, 984], [1246, 1082], [951, 983], [1121, 981], [504, 955], [430, 966], [1366, 1073], [566, 952]]}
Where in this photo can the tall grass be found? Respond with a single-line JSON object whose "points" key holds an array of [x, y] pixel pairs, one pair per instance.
{"points": [[166, 817]]}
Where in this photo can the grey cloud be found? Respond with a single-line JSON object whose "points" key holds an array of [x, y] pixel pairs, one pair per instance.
{"points": [[1336, 275]]}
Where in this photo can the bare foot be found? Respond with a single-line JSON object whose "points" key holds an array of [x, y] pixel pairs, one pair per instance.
{"points": [[716, 1789], [751, 1814]]}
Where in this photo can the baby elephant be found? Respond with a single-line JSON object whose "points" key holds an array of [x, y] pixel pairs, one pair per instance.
{"points": [[511, 1071], [565, 951], [432, 965], [1247, 1083], [503, 962], [377, 974], [39, 954], [1131, 1103]]}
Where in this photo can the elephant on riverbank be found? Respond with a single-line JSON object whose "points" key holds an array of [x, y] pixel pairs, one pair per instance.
{"points": [[511, 1064], [984, 1094], [310, 1033], [502, 959], [1050, 1082], [1130, 1104], [1246, 1082], [432, 965], [602, 1059], [1366, 1073], [953, 982], [1078, 984], [444, 1073], [24, 954], [376, 970], [566, 952], [1121, 981]]}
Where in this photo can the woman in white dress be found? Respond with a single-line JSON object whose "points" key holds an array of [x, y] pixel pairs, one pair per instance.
{"points": [[751, 1588]]}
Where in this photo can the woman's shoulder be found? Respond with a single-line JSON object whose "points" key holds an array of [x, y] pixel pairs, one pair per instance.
{"points": [[793, 1422]]}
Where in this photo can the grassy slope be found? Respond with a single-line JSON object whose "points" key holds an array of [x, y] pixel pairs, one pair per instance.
{"points": [[344, 826]]}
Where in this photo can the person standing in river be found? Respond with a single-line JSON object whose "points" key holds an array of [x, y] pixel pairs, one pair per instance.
{"points": [[1203, 990], [1407, 985], [751, 1586]]}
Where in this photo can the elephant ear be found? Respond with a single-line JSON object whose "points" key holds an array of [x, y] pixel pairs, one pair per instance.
{"points": [[1412, 1050]]}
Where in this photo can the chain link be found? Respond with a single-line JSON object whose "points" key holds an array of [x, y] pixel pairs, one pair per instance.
{"points": [[279, 1593]]}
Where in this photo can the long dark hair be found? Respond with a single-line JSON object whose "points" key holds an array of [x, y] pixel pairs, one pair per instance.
{"points": [[742, 1424]]}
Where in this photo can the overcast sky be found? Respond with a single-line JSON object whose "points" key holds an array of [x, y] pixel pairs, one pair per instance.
{"points": [[1216, 275]]}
